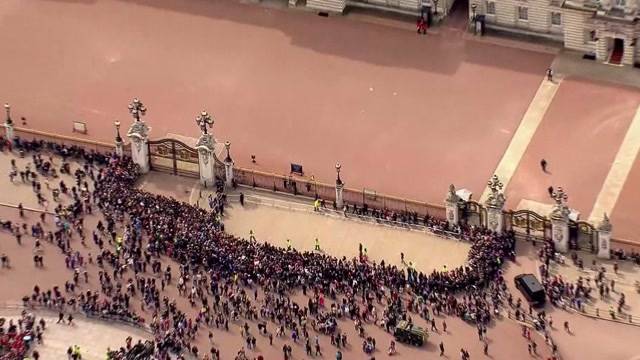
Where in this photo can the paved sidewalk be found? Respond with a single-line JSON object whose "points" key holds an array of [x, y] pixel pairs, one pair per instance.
{"points": [[570, 63], [275, 218], [625, 279], [92, 336]]}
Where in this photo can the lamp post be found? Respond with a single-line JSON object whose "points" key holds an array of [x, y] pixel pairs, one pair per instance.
{"points": [[137, 109], [315, 186], [203, 120], [7, 108], [339, 188], [228, 165], [118, 137], [119, 142]]}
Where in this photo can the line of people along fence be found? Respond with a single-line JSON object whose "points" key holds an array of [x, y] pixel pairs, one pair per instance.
{"points": [[291, 184], [297, 185]]}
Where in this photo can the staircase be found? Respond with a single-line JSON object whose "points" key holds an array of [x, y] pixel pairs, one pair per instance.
{"points": [[333, 6], [404, 7]]}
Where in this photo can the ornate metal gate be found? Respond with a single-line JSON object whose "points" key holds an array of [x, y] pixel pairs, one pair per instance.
{"points": [[474, 213], [530, 224], [175, 157], [582, 236]]}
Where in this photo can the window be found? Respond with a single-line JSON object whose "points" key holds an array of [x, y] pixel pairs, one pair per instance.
{"points": [[491, 7], [620, 3], [589, 36], [523, 13], [556, 18]]}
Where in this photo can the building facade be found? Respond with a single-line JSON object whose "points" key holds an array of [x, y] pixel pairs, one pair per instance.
{"points": [[606, 30]]}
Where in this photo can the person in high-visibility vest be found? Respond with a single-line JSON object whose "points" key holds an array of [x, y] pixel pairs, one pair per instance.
{"points": [[288, 244], [251, 236], [317, 245], [316, 205]]}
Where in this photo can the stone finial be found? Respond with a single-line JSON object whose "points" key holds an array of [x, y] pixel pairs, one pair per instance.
{"points": [[559, 196], [227, 146], [138, 130], [452, 197], [204, 120], [560, 209], [496, 198], [605, 224]]}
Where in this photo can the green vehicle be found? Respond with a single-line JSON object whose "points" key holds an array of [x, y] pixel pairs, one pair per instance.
{"points": [[410, 334]]}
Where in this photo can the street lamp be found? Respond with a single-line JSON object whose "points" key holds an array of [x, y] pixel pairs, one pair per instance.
{"points": [[118, 137], [7, 108], [338, 180], [315, 185], [203, 120], [137, 109]]}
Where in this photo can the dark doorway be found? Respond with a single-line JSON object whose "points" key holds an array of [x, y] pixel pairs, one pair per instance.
{"points": [[617, 52], [458, 17]]}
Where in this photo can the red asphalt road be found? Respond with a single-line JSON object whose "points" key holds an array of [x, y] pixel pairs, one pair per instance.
{"points": [[579, 137], [404, 114]]}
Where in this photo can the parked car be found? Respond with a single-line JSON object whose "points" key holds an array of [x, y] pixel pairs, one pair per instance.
{"points": [[531, 288]]}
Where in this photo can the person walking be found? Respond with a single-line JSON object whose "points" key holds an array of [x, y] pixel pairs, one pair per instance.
{"points": [[550, 74], [317, 247], [543, 165], [421, 25], [441, 346]]}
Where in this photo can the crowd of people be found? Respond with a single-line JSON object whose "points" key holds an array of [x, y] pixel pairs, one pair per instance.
{"points": [[194, 238], [18, 336], [221, 274], [582, 291]]}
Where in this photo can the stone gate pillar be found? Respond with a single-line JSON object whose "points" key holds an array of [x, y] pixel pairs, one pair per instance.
{"points": [[8, 124], [604, 238], [339, 189], [494, 205], [560, 221], [206, 147], [119, 143], [228, 166], [452, 205], [139, 135]]}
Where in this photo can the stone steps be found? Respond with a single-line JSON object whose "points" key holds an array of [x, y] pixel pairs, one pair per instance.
{"points": [[332, 6]]}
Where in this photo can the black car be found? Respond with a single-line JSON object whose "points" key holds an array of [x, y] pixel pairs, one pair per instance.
{"points": [[531, 288]]}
